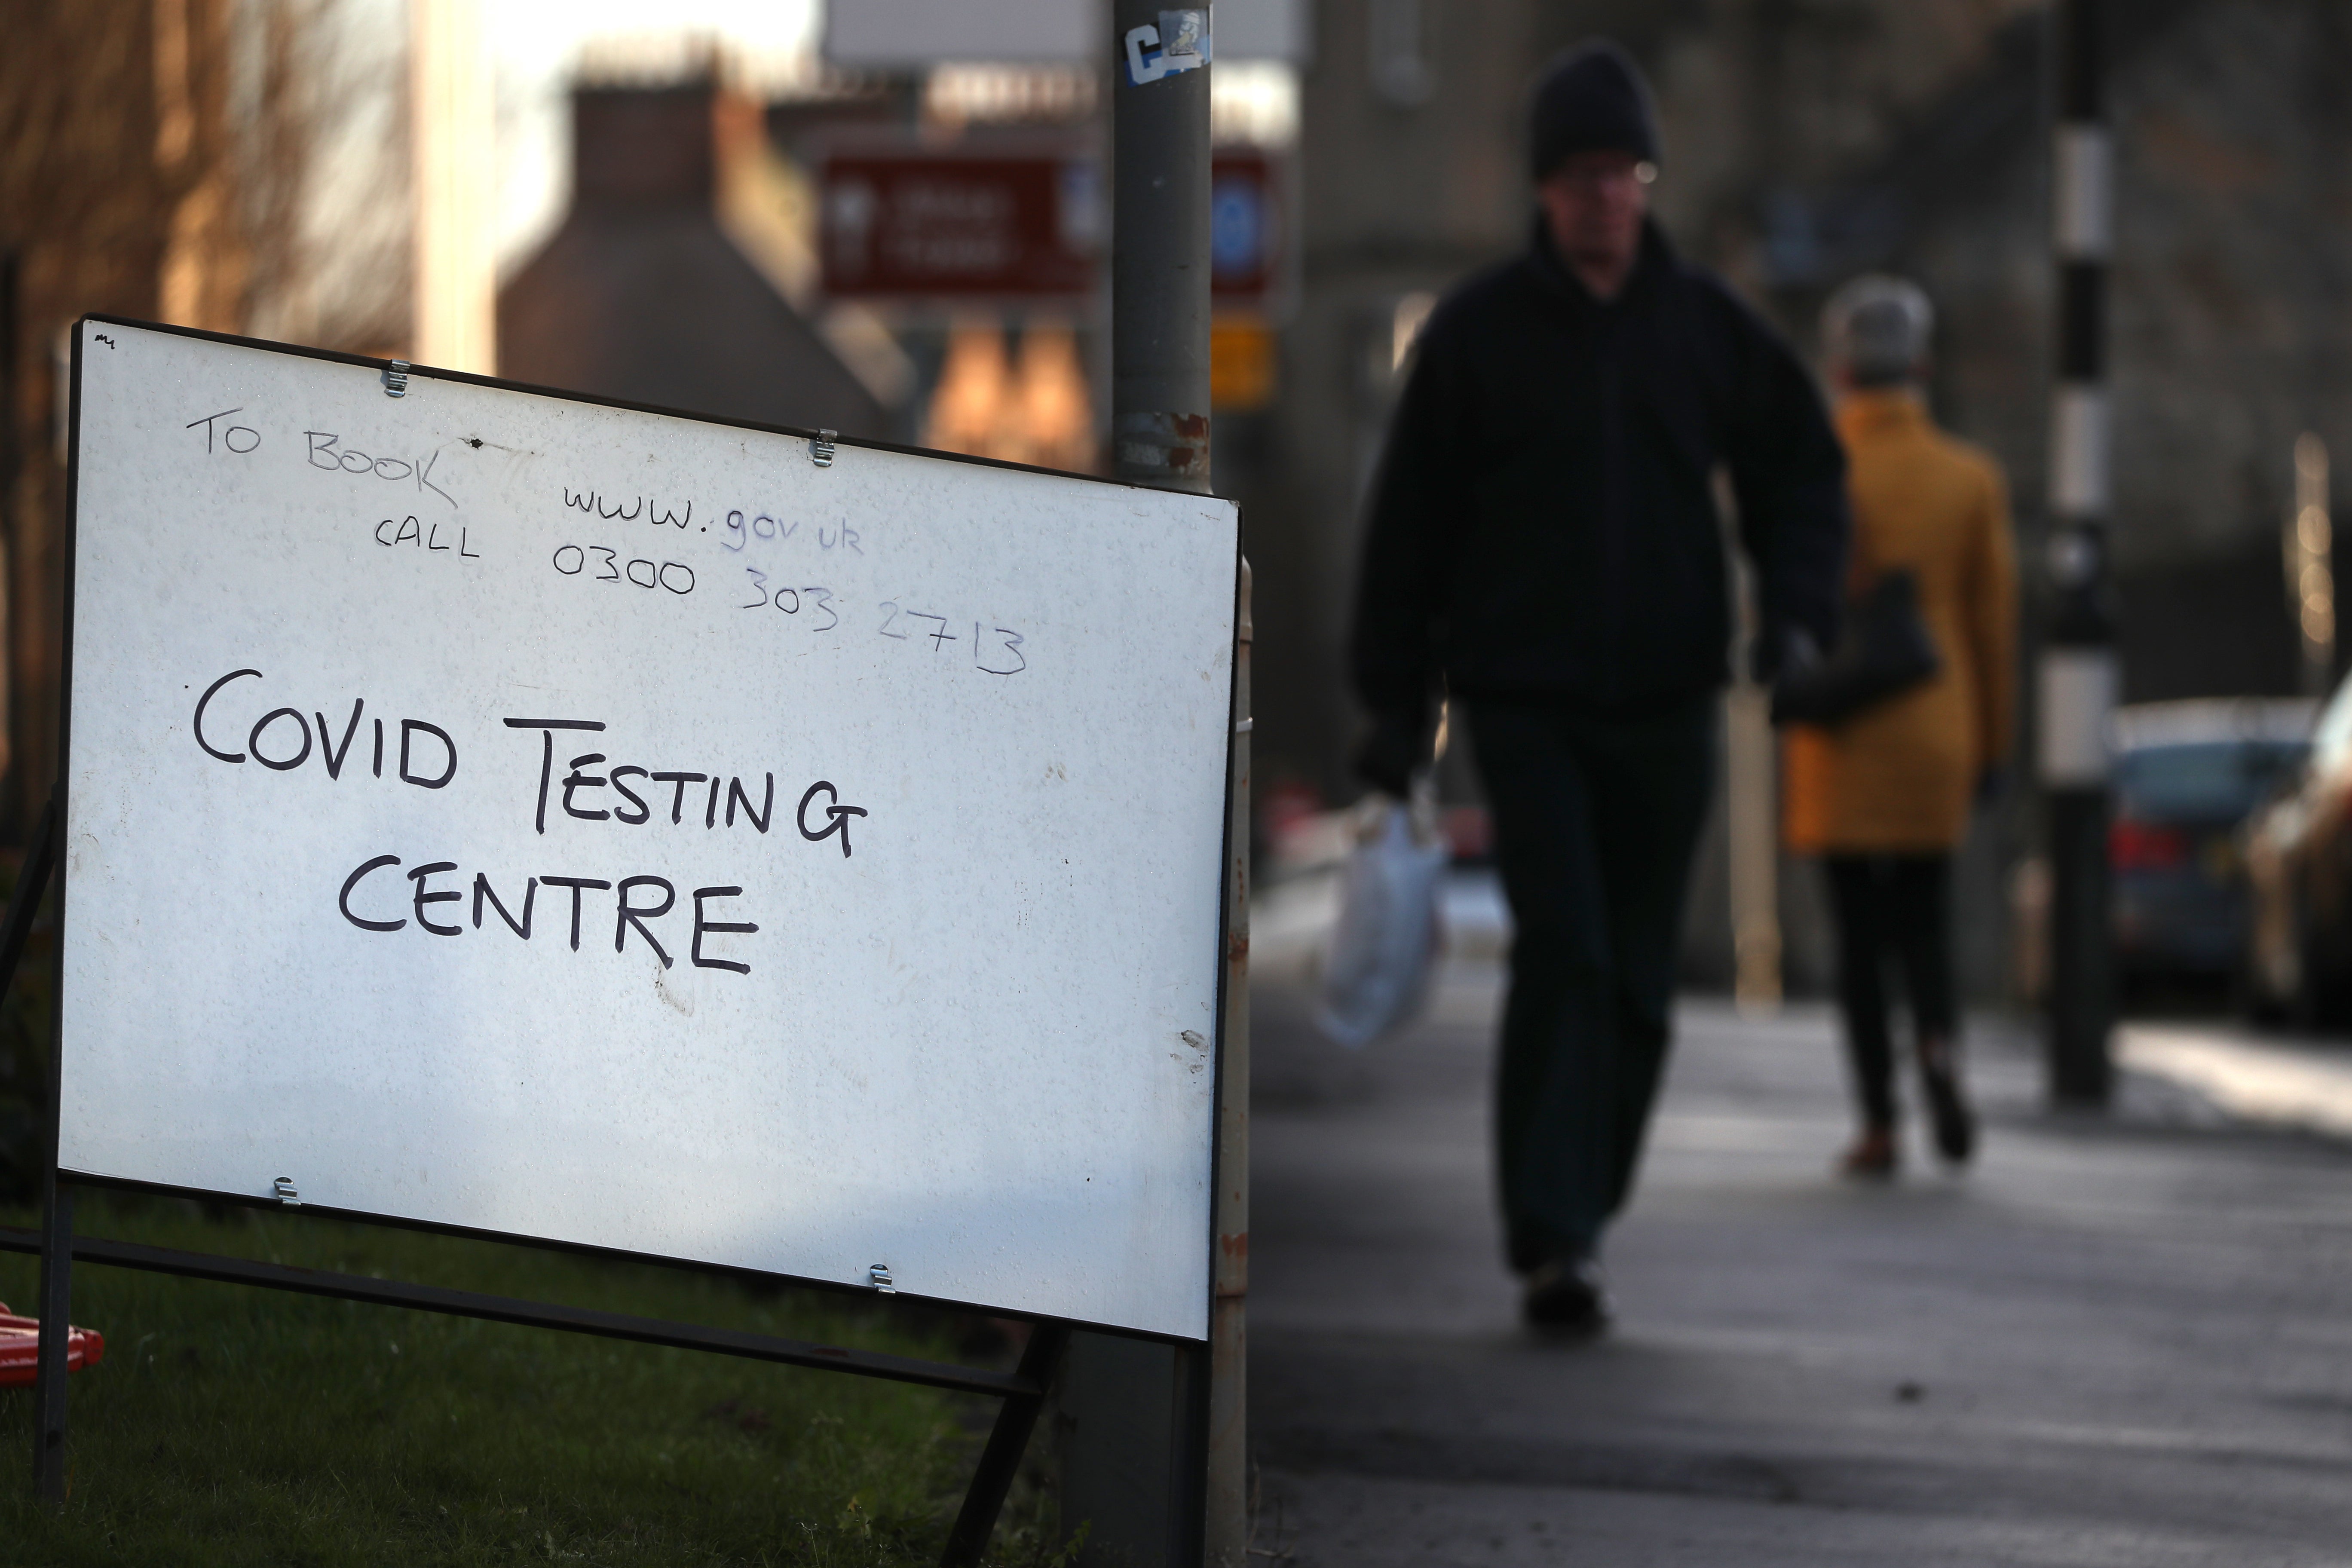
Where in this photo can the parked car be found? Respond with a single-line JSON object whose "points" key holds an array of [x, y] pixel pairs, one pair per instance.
{"points": [[2188, 775], [2298, 862]]}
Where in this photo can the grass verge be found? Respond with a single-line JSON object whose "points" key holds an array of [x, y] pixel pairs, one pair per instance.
{"points": [[231, 1425]]}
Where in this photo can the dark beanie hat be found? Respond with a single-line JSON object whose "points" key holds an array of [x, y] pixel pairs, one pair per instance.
{"points": [[1592, 98]]}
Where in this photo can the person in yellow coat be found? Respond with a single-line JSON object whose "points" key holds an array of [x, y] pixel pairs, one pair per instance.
{"points": [[1883, 797]]}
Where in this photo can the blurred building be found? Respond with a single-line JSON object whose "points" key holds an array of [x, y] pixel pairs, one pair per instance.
{"points": [[641, 294], [244, 167], [1804, 143], [2233, 257], [952, 227], [1032, 406]]}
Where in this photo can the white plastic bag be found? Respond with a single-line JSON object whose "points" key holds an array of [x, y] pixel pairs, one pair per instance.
{"points": [[1385, 945]]}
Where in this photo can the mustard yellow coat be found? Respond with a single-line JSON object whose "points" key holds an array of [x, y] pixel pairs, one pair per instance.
{"points": [[1898, 777]]}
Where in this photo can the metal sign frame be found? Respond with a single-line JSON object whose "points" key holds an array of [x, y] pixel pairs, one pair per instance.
{"points": [[1023, 1390]]}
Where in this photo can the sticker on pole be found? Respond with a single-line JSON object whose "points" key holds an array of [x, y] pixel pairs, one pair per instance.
{"points": [[1180, 43]]}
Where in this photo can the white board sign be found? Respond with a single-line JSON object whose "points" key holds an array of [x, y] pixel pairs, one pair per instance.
{"points": [[431, 762]]}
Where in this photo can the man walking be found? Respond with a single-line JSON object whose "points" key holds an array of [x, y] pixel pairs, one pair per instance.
{"points": [[1544, 549]]}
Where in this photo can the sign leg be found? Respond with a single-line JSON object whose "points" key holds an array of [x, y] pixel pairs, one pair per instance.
{"points": [[55, 1297], [1001, 1461], [1226, 1523], [55, 1292], [1188, 1442], [1135, 1419], [32, 880]]}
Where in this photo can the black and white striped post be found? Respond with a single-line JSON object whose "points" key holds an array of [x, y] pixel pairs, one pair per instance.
{"points": [[2078, 674]]}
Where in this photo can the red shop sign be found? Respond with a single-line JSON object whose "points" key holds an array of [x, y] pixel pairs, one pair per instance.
{"points": [[945, 225]]}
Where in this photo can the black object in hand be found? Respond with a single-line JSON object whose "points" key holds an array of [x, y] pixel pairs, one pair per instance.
{"points": [[1886, 650], [1779, 650]]}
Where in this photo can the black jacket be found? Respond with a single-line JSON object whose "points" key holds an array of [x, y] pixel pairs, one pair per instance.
{"points": [[1544, 526]]}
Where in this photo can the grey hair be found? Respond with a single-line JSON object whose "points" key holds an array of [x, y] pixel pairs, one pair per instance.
{"points": [[1878, 328]]}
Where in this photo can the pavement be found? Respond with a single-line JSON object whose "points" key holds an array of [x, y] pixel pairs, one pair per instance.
{"points": [[2257, 1077], [2117, 1340]]}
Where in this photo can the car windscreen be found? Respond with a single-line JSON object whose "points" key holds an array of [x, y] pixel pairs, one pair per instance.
{"points": [[2212, 781]]}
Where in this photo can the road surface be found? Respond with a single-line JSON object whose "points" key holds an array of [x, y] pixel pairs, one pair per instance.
{"points": [[2121, 1342]]}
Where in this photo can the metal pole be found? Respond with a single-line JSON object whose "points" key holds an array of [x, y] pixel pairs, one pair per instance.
{"points": [[1228, 1524], [1134, 1416], [1159, 245], [2079, 673]]}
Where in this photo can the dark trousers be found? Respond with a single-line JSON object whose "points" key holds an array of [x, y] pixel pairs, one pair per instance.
{"points": [[1891, 906], [1595, 821]]}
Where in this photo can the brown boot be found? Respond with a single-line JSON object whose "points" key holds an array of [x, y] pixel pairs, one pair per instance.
{"points": [[1872, 1157]]}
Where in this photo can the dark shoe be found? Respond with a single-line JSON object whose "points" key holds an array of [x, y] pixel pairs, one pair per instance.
{"points": [[1947, 1107], [1566, 1300], [1872, 1157]]}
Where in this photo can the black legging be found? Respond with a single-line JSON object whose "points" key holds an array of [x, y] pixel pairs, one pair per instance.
{"points": [[1896, 904]]}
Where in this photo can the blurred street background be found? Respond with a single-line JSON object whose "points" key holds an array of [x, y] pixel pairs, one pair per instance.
{"points": [[2119, 1340], [721, 206]]}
